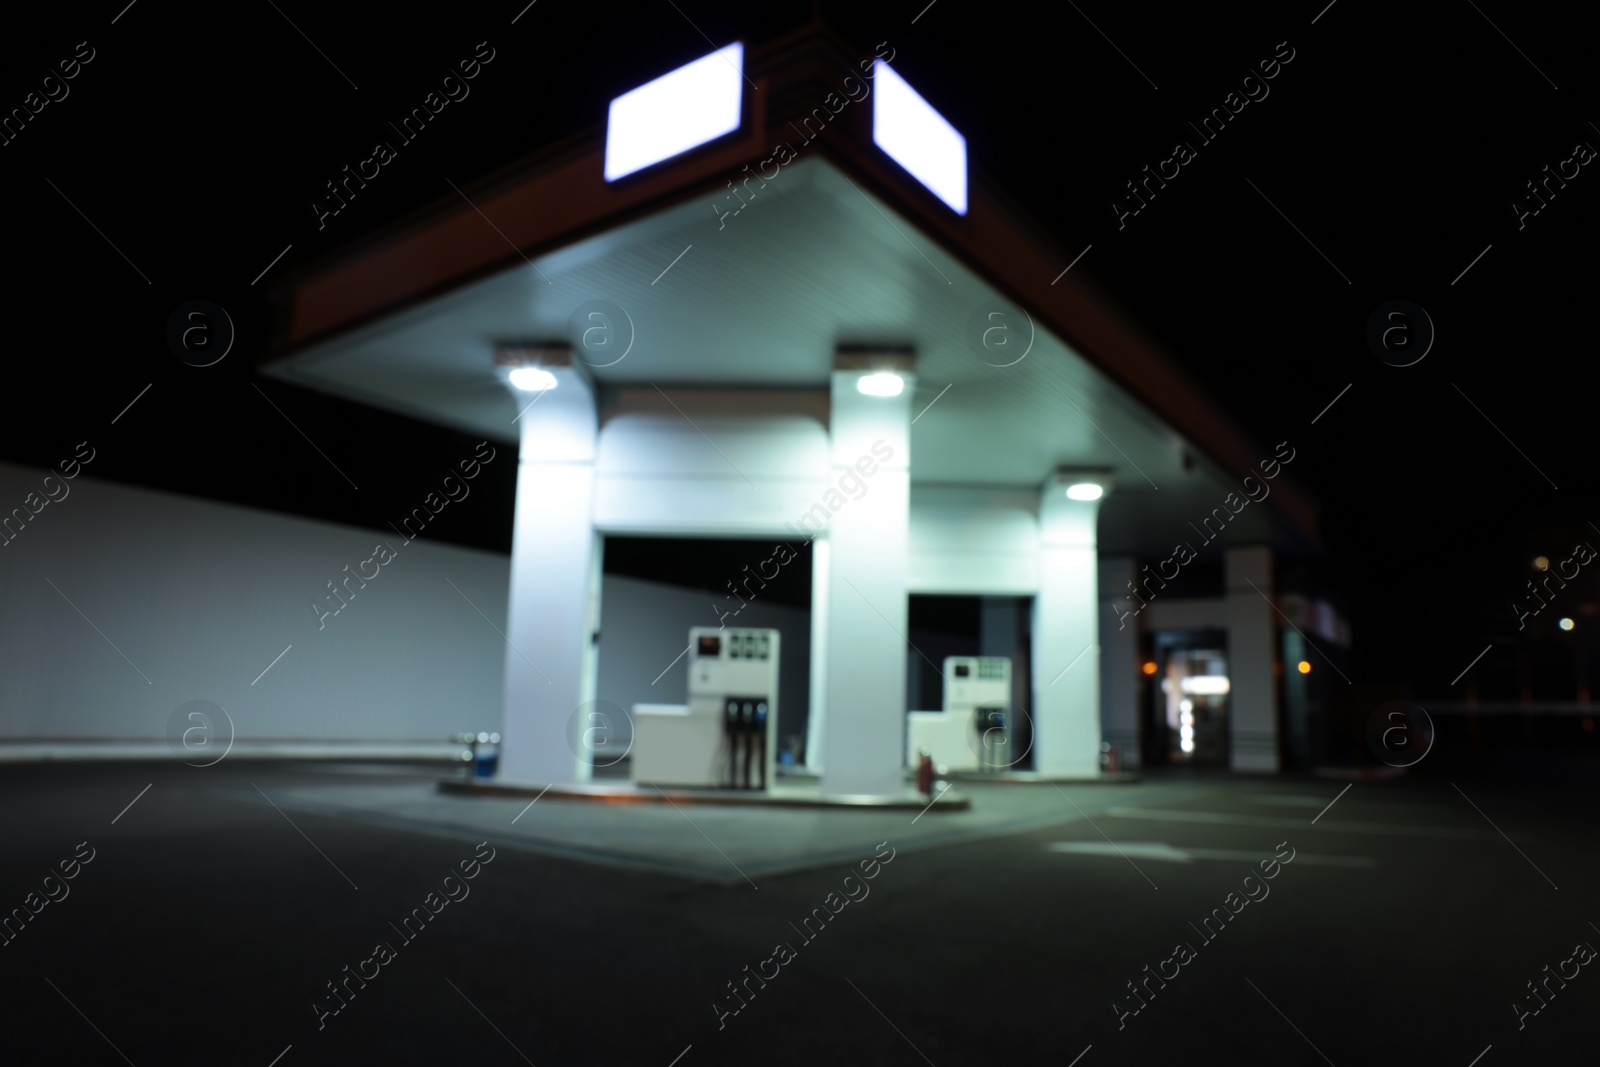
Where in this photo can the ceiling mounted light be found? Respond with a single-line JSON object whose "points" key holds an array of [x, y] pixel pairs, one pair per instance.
{"points": [[1085, 491], [532, 379], [883, 383]]}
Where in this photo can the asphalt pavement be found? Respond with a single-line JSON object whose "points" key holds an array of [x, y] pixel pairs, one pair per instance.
{"points": [[235, 914]]}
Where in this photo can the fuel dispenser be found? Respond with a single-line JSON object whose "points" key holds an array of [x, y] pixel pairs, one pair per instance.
{"points": [[972, 731], [734, 673], [980, 686]]}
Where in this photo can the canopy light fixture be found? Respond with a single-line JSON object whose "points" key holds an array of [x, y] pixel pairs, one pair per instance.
{"points": [[1082, 485], [879, 369], [528, 366], [884, 383], [532, 379]]}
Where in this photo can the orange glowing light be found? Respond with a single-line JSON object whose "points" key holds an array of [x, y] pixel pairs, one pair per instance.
{"points": [[1150, 667], [1304, 667]]}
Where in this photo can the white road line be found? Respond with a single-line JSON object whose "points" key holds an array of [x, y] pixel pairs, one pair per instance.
{"points": [[1102, 833], [1161, 852], [1220, 819]]}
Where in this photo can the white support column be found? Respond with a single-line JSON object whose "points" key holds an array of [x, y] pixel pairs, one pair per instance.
{"points": [[1252, 660], [1066, 674], [553, 607], [865, 675], [1119, 660], [817, 719]]}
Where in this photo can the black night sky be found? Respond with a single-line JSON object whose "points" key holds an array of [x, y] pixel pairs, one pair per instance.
{"points": [[1384, 161]]}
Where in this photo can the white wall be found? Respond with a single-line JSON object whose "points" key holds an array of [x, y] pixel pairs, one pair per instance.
{"points": [[973, 541], [645, 625], [202, 596], [719, 474]]}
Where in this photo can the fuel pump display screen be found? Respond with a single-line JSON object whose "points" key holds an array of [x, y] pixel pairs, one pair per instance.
{"points": [[710, 645]]}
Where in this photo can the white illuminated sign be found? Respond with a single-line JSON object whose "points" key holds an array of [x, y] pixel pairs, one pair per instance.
{"points": [[918, 138], [1205, 685], [664, 118]]}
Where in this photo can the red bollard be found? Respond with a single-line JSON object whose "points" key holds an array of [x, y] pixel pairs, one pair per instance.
{"points": [[1110, 758]]}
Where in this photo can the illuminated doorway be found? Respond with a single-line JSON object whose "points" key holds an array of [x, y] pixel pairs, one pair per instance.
{"points": [[1195, 699]]}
